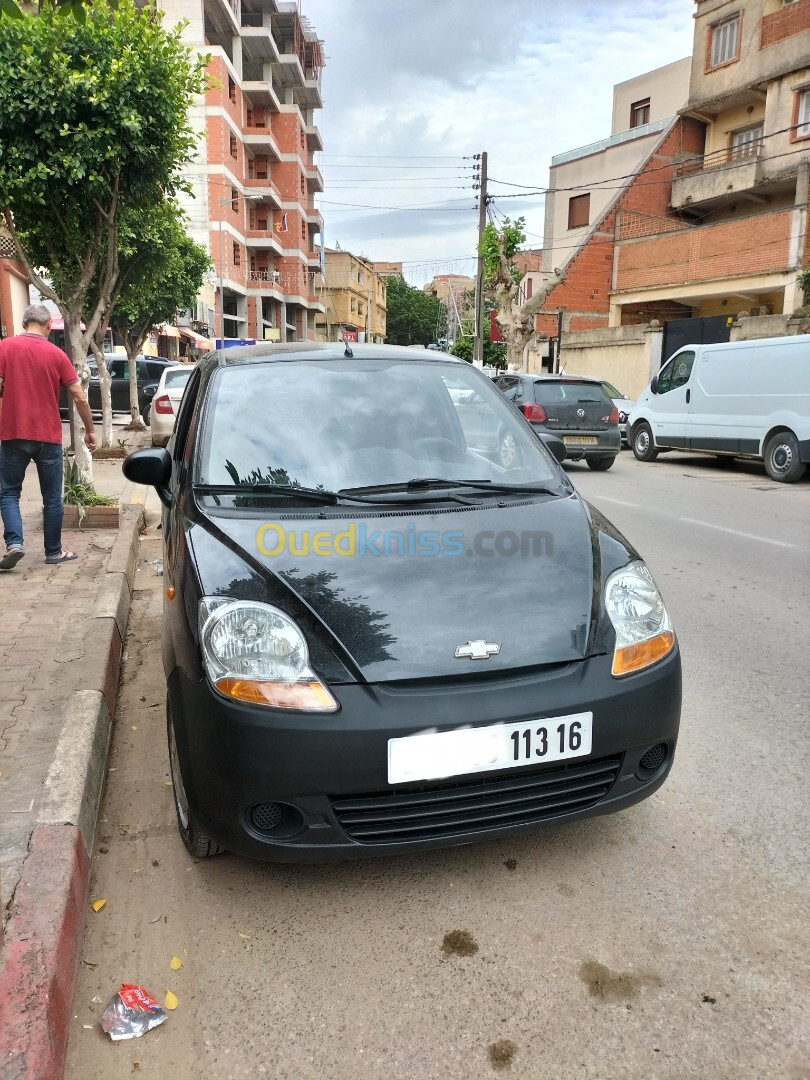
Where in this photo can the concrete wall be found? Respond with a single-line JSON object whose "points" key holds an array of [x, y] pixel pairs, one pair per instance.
{"points": [[747, 329], [667, 88], [624, 355]]}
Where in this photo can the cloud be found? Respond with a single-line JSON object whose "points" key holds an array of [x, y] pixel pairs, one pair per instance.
{"points": [[429, 84]]}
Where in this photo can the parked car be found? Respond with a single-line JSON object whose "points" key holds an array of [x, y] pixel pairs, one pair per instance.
{"points": [[377, 636], [623, 403], [149, 371], [575, 408], [166, 402], [746, 399]]}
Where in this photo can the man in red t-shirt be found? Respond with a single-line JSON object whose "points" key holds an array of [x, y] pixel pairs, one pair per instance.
{"points": [[31, 372]]}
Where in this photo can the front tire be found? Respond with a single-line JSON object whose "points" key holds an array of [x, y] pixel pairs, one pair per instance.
{"points": [[644, 448], [600, 464], [782, 462], [197, 843], [146, 412]]}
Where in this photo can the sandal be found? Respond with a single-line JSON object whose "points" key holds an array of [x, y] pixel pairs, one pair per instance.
{"points": [[11, 558], [63, 556]]}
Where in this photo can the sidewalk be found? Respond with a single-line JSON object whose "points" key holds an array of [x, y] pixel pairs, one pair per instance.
{"points": [[61, 633]]}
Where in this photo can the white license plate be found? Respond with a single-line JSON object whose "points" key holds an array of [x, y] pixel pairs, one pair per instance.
{"points": [[580, 440], [436, 755]]}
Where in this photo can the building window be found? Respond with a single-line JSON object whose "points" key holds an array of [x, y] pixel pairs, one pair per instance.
{"points": [[640, 113], [725, 41], [579, 211], [231, 89], [746, 142], [237, 255], [233, 145], [234, 198], [803, 114], [303, 230], [303, 185]]}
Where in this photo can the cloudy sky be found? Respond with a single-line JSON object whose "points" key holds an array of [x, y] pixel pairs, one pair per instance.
{"points": [[413, 88]]}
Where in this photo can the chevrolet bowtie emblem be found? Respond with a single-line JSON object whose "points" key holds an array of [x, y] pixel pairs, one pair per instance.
{"points": [[477, 650]]}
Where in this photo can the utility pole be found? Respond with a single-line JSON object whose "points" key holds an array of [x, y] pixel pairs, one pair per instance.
{"points": [[478, 341], [559, 341]]}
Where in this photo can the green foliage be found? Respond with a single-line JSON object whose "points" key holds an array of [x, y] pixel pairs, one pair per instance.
{"points": [[412, 316], [75, 492], [509, 239], [494, 352], [93, 123], [804, 282], [162, 269]]}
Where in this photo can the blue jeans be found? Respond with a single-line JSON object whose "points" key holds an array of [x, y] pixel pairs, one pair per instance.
{"points": [[15, 457]]}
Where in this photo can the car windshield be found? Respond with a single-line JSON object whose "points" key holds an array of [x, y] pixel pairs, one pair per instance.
{"points": [[175, 378], [360, 423], [611, 390], [561, 393]]}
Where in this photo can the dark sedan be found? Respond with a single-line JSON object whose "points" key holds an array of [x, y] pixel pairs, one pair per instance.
{"points": [[148, 372], [576, 409], [378, 637]]}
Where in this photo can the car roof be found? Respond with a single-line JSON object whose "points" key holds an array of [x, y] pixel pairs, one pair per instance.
{"points": [[560, 379], [274, 352]]}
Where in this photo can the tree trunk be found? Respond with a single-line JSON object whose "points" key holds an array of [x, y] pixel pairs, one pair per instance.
{"points": [[75, 341], [104, 380], [135, 421]]}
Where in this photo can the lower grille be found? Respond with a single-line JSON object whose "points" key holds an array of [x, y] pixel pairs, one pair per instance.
{"points": [[429, 813]]}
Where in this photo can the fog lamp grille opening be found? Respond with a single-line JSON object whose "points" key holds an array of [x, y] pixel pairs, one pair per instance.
{"points": [[653, 757], [266, 816]]}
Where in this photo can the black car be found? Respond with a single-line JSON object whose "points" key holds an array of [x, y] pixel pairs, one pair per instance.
{"points": [[576, 409], [377, 636], [149, 370]]}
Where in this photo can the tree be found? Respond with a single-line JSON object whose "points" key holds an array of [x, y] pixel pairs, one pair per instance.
{"points": [[494, 351], [93, 124], [516, 317], [162, 268], [412, 316]]}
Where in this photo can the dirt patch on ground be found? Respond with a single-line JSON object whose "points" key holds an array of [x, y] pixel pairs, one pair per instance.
{"points": [[615, 986], [459, 943]]}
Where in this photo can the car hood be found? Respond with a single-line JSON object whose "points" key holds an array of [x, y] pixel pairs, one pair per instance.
{"points": [[403, 616]]}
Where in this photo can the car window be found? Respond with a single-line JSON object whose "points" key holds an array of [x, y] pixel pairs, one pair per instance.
{"points": [[176, 377], [509, 387], [155, 369], [611, 390], [676, 372], [559, 393], [183, 423], [119, 369], [378, 422]]}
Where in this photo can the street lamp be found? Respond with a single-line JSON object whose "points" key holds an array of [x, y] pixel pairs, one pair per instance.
{"points": [[224, 202]]}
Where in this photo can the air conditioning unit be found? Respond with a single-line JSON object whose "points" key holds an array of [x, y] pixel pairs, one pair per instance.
{"points": [[763, 309]]}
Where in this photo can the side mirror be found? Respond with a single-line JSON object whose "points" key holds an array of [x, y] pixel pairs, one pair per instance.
{"points": [[554, 445], [149, 391], [654, 385], [152, 468]]}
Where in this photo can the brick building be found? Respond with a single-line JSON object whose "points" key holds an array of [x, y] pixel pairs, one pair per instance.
{"points": [[355, 297], [714, 221], [255, 178]]}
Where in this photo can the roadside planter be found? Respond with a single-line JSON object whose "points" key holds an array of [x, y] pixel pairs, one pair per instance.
{"points": [[84, 507], [380, 635]]}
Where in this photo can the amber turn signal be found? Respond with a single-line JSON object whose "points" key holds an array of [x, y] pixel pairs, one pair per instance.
{"points": [[308, 696], [630, 658], [170, 593]]}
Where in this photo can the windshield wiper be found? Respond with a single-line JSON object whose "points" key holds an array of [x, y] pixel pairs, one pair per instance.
{"points": [[320, 495], [420, 483]]}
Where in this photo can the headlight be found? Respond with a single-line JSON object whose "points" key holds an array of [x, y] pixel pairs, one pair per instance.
{"points": [[644, 633], [253, 652]]}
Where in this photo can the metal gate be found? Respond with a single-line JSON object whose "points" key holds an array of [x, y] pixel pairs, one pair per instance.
{"points": [[706, 331]]}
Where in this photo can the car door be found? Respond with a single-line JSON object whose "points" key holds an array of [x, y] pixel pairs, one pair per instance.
{"points": [[670, 413]]}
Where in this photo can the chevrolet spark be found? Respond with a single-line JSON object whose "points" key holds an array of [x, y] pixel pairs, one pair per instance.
{"points": [[377, 636]]}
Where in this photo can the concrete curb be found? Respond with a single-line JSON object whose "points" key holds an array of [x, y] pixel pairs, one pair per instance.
{"points": [[44, 933]]}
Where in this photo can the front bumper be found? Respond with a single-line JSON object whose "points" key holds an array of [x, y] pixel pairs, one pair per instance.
{"points": [[304, 787]]}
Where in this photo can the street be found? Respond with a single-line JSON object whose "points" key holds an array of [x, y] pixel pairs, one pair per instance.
{"points": [[666, 941]]}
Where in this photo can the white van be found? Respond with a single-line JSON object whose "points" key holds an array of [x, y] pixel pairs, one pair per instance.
{"points": [[737, 399]]}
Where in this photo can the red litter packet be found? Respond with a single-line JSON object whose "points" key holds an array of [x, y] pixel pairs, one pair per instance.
{"points": [[131, 1013]]}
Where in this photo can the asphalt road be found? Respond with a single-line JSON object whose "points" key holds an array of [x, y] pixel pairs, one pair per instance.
{"points": [[667, 941]]}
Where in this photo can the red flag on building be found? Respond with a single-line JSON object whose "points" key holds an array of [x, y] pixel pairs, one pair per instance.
{"points": [[281, 224]]}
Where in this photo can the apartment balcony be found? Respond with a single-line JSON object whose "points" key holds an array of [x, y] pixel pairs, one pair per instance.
{"points": [[258, 46], [261, 141], [753, 246], [314, 178], [734, 171], [260, 92], [222, 17], [308, 96], [314, 140], [263, 240], [313, 217], [264, 188]]}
